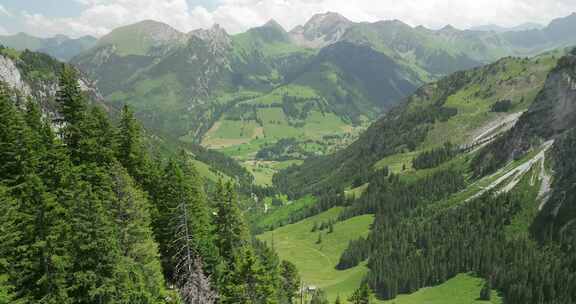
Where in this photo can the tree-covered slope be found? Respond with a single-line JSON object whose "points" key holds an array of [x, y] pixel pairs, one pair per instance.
{"points": [[89, 216], [456, 109], [498, 205], [317, 86], [34, 75]]}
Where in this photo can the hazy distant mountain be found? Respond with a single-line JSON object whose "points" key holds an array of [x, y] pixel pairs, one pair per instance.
{"points": [[320, 79], [321, 30], [60, 46], [500, 29]]}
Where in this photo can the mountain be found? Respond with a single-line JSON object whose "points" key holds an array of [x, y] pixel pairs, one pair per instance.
{"points": [[60, 46], [220, 89], [118, 214], [141, 38], [456, 109], [451, 186], [555, 35], [302, 93], [35, 75], [321, 30], [500, 29]]}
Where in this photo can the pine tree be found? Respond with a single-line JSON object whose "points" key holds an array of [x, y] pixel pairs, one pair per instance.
{"points": [[230, 230], [130, 150], [248, 281], [485, 293], [139, 275], [94, 249], [183, 196], [362, 295], [72, 107], [290, 281], [34, 223], [319, 240]]}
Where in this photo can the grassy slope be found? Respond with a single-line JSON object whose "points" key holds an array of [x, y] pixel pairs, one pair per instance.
{"points": [[462, 289], [316, 262], [282, 214], [296, 243]]}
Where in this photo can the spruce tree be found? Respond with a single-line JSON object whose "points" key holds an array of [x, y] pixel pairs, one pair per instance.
{"points": [[94, 248], [230, 230], [183, 201], [290, 281], [34, 222], [194, 285], [362, 295], [247, 282], [72, 108], [16, 147], [130, 150], [96, 144], [139, 274]]}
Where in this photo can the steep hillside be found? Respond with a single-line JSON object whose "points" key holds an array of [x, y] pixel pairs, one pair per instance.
{"points": [[510, 225], [267, 95], [456, 109], [35, 75], [60, 47]]}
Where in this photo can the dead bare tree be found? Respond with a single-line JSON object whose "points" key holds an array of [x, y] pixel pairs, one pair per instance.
{"points": [[193, 283]]}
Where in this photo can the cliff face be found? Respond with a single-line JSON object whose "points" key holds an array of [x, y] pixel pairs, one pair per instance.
{"points": [[548, 118], [35, 76], [10, 75]]}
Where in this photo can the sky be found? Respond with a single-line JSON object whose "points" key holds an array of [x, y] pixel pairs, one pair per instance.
{"points": [[75, 18]]}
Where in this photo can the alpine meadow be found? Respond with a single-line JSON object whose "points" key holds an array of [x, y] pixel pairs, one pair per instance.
{"points": [[287, 152]]}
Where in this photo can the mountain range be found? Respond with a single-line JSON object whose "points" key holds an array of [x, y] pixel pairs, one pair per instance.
{"points": [[500, 29], [60, 46], [415, 165], [326, 78]]}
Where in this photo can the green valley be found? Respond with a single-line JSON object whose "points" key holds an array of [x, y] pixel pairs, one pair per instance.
{"points": [[343, 161], [254, 89]]}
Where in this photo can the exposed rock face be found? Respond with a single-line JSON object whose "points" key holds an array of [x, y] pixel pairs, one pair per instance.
{"points": [[10, 74], [217, 39], [551, 115], [321, 30], [42, 91]]}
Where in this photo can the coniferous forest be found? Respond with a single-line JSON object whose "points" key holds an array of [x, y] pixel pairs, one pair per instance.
{"points": [[89, 216], [335, 162]]}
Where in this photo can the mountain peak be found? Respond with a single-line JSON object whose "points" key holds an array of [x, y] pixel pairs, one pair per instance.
{"points": [[449, 28], [321, 30], [215, 33], [326, 19], [273, 24], [272, 31], [139, 38]]}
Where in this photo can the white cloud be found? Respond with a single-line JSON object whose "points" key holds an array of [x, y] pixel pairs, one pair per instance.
{"points": [[100, 16], [4, 11]]}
